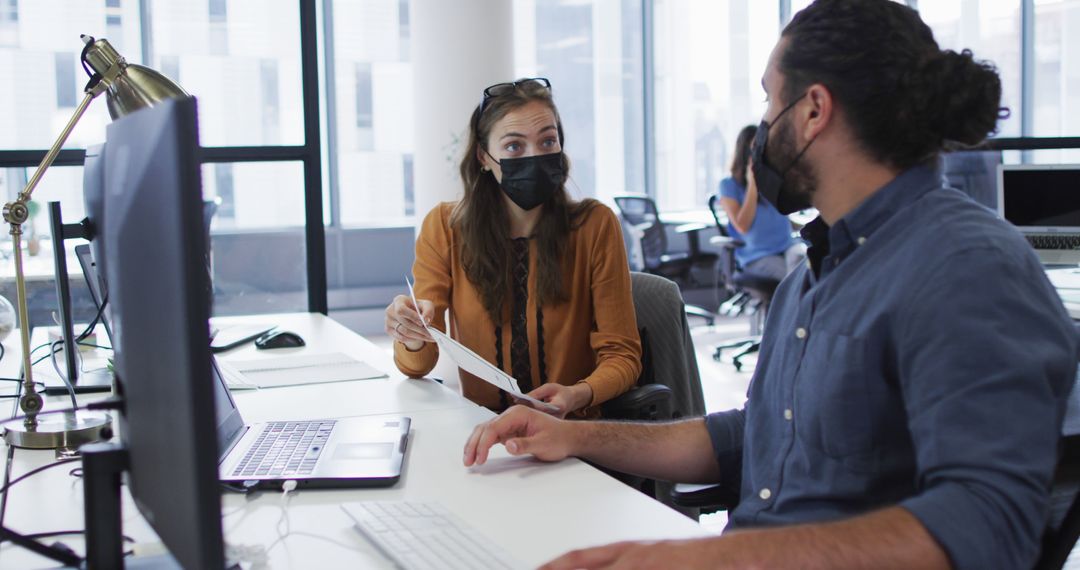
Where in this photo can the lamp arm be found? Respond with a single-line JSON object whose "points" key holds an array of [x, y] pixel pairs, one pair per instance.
{"points": [[16, 213]]}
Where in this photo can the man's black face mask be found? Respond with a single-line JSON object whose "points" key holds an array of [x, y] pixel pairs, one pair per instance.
{"points": [[786, 198]]}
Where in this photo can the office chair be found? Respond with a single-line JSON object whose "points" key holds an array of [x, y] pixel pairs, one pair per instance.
{"points": [[669, 386], [750, 294], [641, 214]]}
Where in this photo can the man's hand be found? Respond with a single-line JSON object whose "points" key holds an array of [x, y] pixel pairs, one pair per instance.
{"points": [[522, 430], [566, 398], [696, 553]]}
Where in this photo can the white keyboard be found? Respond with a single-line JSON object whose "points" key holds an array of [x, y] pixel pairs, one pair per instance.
{"points": [[416, 536]]}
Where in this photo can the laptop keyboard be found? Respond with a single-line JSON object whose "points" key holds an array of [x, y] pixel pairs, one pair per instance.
{"points": [[1053, 241], [285, 449], [417, 536]]}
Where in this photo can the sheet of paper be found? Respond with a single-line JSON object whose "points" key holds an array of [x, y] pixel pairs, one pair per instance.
{"points": [[474, 364], [295, 370]]}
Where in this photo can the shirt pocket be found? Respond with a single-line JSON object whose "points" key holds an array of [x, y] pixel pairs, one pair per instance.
{"points": [[833, 404]]}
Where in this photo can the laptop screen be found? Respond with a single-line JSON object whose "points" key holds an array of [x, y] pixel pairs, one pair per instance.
{"points": [[1042, 197], [230, 426]]}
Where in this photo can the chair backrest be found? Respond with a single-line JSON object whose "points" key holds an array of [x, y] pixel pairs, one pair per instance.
{"points": [[1063, 528], [659, 309], [641, 213], [727, 265]]}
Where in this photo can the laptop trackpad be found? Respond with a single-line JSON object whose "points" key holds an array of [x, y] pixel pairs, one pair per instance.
{"points": [[363, 451]]}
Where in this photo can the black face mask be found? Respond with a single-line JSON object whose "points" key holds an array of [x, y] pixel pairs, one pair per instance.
{"points": [[769, 180], [532, 180]]}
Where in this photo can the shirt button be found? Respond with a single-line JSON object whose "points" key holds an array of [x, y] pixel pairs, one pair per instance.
{"points": [[765, 494], [800, 333], [861, 240], [788, 414]]}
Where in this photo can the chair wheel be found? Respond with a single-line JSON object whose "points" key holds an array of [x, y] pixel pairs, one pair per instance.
{"points": [[716, 354], [738, 365]]}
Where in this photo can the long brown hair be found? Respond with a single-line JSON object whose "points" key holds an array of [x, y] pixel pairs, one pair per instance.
{"points": [[483, 223], [742, 154]]}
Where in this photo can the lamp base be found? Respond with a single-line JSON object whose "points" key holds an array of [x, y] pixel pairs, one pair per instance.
{"points": [[66, 430]]}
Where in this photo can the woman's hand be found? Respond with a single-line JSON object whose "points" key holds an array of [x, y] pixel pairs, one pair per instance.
{"points": [[751, 183], [404, 324], [566, 398]]}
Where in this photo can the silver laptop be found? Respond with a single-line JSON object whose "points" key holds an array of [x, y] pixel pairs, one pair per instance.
{"points": [[1043, 202], [350, 452]]}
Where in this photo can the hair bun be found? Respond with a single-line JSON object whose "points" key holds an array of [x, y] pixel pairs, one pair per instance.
{"points": [[963, 96]]}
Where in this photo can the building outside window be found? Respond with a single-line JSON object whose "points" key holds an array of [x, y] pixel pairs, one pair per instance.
{"points": [[591, 50]]}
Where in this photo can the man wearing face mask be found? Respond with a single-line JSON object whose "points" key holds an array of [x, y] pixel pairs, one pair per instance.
{"points": [[535, 283], [908, 401]]}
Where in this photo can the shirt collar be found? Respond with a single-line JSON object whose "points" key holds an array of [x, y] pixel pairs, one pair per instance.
{"points": [[860, 223]]}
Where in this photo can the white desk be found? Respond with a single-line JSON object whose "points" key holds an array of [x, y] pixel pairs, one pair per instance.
{"points": [[536, 511]]}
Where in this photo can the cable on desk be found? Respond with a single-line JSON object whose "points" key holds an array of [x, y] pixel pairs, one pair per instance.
{"points": [[33, 472], [7, 480], [55, 533], [62, 376]]}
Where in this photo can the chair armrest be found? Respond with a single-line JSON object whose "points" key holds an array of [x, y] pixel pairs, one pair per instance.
{"points": [[704, 497], [726, 241], [649, 402], [691, 227]]}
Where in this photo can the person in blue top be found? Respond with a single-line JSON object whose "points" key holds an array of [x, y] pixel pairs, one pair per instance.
{"points": [[769, 248]]}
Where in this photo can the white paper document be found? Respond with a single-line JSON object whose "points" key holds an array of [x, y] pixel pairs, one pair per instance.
{"points": [[295, 370], [474, 364]]}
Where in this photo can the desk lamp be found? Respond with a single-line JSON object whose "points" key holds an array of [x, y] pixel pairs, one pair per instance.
{"points": [[128, 88]]}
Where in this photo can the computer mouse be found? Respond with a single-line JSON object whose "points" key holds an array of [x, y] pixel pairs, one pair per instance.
{"points": [[279, 339]]}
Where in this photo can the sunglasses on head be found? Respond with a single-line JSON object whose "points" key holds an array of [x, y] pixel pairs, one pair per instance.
{"points": [[500, 89]]}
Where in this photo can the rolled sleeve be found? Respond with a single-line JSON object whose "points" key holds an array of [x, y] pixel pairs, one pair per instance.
{"points": [[726, 430], [985, 400]]}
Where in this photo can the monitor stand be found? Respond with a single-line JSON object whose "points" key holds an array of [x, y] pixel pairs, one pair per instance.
{"points": [[81, 382]]}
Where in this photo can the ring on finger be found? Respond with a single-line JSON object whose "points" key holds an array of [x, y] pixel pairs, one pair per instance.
{"points": [[397, 327]]}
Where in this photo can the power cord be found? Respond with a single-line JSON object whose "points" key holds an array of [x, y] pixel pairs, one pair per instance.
{"points": [[33, 472]]}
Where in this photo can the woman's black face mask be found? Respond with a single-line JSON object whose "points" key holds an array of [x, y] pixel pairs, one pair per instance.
{"points": [[532, 180]]}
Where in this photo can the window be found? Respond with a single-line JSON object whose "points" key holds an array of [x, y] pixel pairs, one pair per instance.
{"points": [[271, 108], [371, 107], [9, 22], [364, 118], [991, 30], [1057, 68], [591, 50], [708, 69], [240, 80], [66, 94]]}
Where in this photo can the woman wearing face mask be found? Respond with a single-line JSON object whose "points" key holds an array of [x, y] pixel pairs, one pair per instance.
{"points": [[770, 250], [535, 283]]}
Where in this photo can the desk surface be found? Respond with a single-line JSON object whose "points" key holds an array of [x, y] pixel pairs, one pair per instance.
{"points": [[535, 510]]}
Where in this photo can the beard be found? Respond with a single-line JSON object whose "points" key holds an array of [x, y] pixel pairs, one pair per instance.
{"points": [[800, 178]]}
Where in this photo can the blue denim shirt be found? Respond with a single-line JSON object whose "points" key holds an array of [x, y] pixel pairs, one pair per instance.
{"points": [[925, 363]]}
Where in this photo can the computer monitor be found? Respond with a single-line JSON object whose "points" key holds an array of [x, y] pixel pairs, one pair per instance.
{"points": [[158, 290], [1040, 197], [73, 378], [94, 204], [974, 172]]}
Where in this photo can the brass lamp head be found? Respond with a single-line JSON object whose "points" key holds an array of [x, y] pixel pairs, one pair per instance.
{"points": [[128, 87]]}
